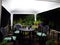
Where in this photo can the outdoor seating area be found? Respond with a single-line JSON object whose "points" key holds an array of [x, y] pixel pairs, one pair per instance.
{"points": [[29, 22], [27, 31], [31, 36]]}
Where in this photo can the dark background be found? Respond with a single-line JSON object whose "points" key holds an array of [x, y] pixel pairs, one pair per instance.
{"points": [[5, 17], [51, 16], [26, 19], [18, 16]]}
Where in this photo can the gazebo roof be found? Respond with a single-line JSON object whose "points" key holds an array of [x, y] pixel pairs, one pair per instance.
{"points": [[28, 6]]}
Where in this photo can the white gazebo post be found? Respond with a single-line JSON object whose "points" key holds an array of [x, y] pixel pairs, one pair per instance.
{"points": [[11, 20], [0, 11], [35, 18]]}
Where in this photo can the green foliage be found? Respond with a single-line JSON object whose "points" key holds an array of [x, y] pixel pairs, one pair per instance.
{"points": [[20, 21], [4, 43], [51, 23], [50, 42], [37, 22], [27, 20]]}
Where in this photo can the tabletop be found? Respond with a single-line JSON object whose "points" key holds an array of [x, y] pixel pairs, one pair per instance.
{"points": [[26, 29]]}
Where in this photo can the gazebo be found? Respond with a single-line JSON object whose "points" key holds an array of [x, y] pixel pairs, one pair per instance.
{"points": [[28, 7]]}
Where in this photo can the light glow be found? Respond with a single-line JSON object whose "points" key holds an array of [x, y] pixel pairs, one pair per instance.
{"points": [[29, 5], [35, 17]]}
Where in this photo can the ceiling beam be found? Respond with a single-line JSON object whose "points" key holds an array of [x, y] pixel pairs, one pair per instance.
{"points": [[51, 0]]}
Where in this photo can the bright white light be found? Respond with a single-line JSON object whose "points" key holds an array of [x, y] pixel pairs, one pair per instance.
{"points": [[35, 17], [28, 5], [11, 18]]}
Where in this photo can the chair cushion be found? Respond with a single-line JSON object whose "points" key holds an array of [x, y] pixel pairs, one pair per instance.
{"points": [[8, 38], [14, 37], [41, 34]]}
